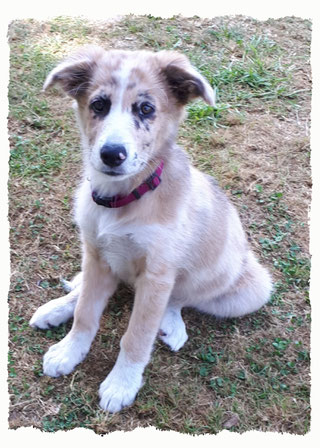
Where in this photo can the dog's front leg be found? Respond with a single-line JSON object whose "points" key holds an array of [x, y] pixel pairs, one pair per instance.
{"points": [[120, 387], [97, 286]]}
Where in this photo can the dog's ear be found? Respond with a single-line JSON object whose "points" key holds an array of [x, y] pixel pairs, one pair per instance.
{"points": [[74, 74], [184, 81]]}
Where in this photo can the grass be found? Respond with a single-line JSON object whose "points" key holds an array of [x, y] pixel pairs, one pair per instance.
{"points": [[240, 374]]}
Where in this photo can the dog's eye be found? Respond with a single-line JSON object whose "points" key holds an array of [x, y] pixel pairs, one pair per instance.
{"points": [[100, 106], [146, 109]]}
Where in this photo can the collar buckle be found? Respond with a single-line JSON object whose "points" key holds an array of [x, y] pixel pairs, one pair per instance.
{"points": [[150, 181]]}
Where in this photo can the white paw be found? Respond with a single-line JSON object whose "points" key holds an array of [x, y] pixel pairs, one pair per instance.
{"points": [[55, 312], [72, 284], [63, 357], [173, 330], [121, 386]]}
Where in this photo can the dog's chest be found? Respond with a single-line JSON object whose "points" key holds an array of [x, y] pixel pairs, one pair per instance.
{"points": [[123, 255], [123, 245]]}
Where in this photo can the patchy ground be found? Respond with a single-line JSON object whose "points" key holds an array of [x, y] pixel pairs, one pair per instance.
{"points": [[242, 374]]}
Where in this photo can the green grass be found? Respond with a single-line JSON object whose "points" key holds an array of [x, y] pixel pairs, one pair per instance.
{"points": [[242, 374], [280, 245], [30, 158]]}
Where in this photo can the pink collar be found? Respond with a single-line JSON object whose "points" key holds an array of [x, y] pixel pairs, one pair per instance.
{"points": [[151, 183]]}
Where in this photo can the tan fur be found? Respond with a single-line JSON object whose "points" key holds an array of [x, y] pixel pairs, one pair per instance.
{"points": [[152, 295], [98, 284], [180, 245]]}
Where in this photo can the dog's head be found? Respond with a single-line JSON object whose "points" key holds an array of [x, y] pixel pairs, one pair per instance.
{"points": [[129, 103]]}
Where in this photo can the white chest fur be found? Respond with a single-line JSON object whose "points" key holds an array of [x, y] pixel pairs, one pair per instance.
{"points": [[121, 253], [121, 244]]}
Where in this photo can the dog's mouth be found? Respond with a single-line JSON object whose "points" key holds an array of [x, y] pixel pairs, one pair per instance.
{"points": [[113, 173], [116, 175], [120, 173]]}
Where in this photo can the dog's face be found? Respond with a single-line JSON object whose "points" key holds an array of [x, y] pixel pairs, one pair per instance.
{"points": [[129, 103]]}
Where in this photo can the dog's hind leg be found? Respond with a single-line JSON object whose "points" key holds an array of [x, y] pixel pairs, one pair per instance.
{"points": [[172, 329], [69, 285], [250, 293], [56, 311]]}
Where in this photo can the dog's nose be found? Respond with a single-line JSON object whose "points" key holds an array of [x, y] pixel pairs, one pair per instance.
{"points": [[113, 155]]}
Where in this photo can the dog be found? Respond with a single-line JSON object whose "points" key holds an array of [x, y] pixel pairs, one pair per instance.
{"points": [[146, 216]]}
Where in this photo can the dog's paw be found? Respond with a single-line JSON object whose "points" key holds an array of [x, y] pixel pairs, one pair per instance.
{"points": [[54, 313], [70, 285], [117, 393], [62, 358], [173, 330], [174, 340], [122, 384]]}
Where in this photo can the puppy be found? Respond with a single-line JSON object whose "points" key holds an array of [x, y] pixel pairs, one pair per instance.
{"points": [[146, 216]]}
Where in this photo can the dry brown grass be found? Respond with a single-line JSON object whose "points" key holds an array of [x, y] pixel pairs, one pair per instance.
{"points": [[244, 374]]}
